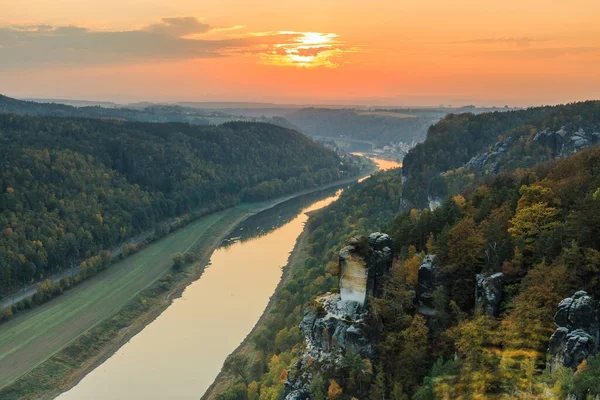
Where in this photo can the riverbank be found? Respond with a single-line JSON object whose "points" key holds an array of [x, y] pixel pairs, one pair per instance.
{"points": [[247, 349], [88, 348]]}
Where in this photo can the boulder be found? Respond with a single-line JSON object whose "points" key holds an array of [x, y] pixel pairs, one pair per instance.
{"points": [[576, 336], [577, 312]]}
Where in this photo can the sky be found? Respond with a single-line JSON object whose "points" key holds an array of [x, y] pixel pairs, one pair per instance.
{"points": [[375, 52]]}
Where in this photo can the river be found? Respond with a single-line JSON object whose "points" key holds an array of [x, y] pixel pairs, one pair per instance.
{"points": [[179, 354]]}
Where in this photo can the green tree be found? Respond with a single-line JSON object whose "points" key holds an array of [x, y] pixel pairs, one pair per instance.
{"points": [[178, 260]]}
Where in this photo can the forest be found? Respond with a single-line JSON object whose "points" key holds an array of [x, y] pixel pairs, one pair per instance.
{"points": [[539, 226], [457, 138], [71, 187], [379, 128]]}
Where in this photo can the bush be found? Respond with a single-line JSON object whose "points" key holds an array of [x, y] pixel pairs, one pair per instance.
{"points": [[178, 261], [189, 257], [6, 314], [46, 291]]}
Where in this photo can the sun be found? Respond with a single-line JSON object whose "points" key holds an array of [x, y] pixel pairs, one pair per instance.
{"points": [[306, 49]]}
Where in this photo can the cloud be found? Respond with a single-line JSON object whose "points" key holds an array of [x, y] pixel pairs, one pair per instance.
{"points": [[172, 38], [180, 26], [516, 41], [548, 52], [314, 51], [26, 46], [69, 30]]}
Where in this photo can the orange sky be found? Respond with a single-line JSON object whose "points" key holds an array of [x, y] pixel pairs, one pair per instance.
{"points": [[394, 52]]}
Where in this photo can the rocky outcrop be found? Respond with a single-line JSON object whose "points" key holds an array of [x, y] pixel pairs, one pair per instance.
{"points": [[336, 322], [490, 158], [430, 277], [341, 328], [566, 140], [561, 143], [434, 202], [577, 323], [489, 291], [364, 263]]}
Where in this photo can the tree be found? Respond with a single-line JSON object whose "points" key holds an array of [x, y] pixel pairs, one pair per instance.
{"points": [[587, 379], [318, 387], [377, 391], [335, 391], [536, 214], [398, 392], [465, 245], [237, 364], [252, 391], [178, 260]]}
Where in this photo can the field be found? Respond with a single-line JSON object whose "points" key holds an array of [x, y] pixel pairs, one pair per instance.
{"points": [[31, 338]]}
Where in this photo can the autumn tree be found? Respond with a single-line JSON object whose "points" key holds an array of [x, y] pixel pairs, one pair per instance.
{"points": [[465, 246], [252, 391], [537, 214], [335, 390]]}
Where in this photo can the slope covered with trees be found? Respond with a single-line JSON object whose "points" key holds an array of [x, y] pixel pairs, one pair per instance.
{"points": [[456, 139], [71, 187], [539, 227]]}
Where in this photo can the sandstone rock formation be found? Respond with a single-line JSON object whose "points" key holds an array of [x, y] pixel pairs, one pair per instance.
{"points": [[363, 264], [562, 143], [430, 277], [490, 158], [576, 337], [566, 140], [489, 292], [336, 324]]}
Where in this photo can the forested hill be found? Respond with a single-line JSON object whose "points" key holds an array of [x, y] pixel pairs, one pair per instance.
{"points": [[381, 127], [493, 142], [152, 113], [70, 187]]}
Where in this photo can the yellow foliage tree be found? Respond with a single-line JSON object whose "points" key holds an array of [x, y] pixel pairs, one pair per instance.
{"points": [[335, 391], [465, 245], [252, 391], [537, 213]]}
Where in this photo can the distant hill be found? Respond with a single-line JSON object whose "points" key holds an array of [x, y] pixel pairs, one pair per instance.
{"points": [[141, 112], [148, 114], [380, 126]]}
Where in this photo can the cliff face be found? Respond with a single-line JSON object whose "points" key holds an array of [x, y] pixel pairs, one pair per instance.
{"points": [[336, 325], [363, 264], [560, 143]]}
